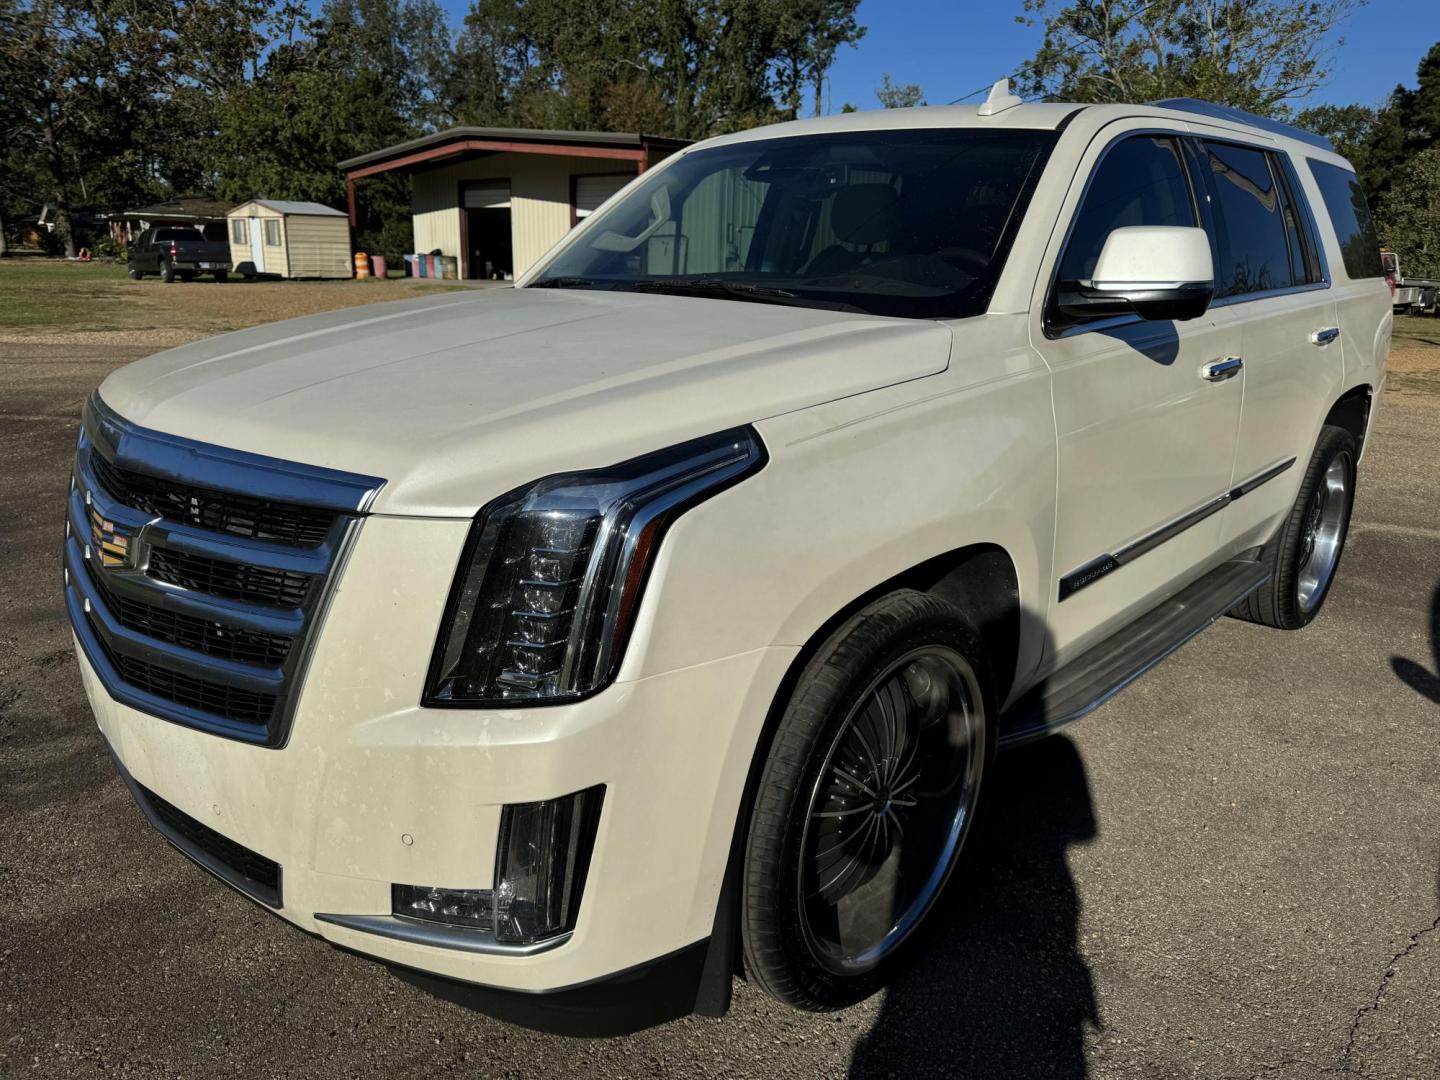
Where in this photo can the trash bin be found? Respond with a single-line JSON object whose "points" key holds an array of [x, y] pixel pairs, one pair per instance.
{"points": [[449, 267], [377, 266]]}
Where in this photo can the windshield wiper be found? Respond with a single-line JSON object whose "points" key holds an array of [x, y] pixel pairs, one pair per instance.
{"points": [[569, 283], [710, 285], [721, 289]]}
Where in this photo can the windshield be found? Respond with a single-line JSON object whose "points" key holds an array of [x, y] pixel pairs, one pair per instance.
{"points": [[911, 223]]}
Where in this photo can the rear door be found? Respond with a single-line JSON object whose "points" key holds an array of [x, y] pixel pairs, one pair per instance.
{"points": [[1271, 280], [1146, 442]]}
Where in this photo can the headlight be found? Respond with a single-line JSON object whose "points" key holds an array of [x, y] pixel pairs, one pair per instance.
{"points": [[551, 577]]}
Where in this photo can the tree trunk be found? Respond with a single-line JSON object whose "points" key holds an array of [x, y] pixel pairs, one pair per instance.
{"points": [[56, 166]]}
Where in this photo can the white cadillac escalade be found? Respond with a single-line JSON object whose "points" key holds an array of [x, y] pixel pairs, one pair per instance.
{"points": [[576, 647]]}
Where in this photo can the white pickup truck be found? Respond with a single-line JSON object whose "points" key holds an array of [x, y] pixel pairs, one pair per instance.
{"points": [[1409, 295], [576, 647]]}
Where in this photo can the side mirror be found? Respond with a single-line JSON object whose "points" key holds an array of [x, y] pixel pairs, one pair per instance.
{"points": [[1154, 271]]}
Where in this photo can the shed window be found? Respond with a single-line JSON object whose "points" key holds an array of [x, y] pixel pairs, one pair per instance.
{"points": [[272, 232], [238, 232]]}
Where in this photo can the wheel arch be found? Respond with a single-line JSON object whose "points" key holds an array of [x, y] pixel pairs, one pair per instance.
{"points": [[980, 578], [1351, 411]]}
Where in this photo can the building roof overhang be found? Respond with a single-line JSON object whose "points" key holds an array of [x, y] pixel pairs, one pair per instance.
{"points": [[460, 142]]}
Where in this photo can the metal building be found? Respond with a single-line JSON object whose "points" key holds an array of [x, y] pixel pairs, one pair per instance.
{"points": [[498, 198]]}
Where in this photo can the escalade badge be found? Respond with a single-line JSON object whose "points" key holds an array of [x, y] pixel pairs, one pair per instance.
{"points": [[109, 540]]}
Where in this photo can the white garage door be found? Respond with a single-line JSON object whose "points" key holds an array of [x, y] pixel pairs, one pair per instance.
{"points": [[591, 191]]}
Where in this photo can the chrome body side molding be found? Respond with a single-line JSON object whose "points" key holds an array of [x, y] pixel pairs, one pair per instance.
{"points": [[1098, 567]]}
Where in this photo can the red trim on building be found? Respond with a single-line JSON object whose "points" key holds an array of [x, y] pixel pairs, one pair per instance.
{"points": [[497, 146]]}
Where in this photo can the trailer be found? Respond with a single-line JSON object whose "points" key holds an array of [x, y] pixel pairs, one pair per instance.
{"points": [[1410, 296]]}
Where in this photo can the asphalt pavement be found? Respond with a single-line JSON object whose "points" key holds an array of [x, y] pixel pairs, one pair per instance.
{"points": [[1229, 870]]}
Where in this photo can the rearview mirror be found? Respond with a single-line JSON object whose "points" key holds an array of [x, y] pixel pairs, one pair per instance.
{"points": [[1154, 271]]}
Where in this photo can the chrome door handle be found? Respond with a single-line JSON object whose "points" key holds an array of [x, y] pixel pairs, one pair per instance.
{"points": [[1324, 337], [1220, 370]]}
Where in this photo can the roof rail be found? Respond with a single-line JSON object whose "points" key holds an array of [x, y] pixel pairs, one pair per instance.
{"points": [[1240, 116]]}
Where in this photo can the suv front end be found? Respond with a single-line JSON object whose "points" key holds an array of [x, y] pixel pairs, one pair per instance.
{"points": [[312, 702]]}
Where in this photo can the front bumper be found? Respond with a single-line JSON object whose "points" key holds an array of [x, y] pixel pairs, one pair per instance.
{"points": [[372, 789]]}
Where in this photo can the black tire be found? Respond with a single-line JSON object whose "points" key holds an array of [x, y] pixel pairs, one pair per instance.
{"points": [[136, 275], [187, 276], [870, 652], [221, 276], [167, 273], [1296, 591]]}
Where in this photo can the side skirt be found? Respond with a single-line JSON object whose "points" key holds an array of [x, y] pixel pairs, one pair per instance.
{"points": [[1102, 671]]}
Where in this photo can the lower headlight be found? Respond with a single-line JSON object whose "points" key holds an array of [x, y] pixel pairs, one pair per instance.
{"points": [[552, 574], [540, 870]]}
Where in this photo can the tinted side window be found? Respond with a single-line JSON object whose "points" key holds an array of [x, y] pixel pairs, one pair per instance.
{"points": [[1249, 218], [1305, 258], [1350, 214], [1140, 181]]}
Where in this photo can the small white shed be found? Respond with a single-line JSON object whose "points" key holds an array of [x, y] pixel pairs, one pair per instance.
{"points": [[289, 240]]}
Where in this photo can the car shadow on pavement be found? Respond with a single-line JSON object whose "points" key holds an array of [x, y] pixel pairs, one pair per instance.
{"points": [[1423, 681], [999, 988]]}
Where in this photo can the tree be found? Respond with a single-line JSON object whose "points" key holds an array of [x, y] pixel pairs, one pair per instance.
{"points": [[1419, 109], [1379, 142], [894, 95], [1258, 55], [1409, 215], [688, 68], [1349, 127]]}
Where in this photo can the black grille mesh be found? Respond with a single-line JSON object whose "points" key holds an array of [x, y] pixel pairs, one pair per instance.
{"points": [[215, 698], [207, 508], [211, 638], [240, 581], [250, 865]]}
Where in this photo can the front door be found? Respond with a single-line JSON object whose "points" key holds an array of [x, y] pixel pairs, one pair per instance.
{"points": [[257, 244], [1146, 440]]}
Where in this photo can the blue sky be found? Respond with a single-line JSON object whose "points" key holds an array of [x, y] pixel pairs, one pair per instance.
{"points": [[950, 47]]}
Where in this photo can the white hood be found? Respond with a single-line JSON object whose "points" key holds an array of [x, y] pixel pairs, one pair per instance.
{"points": [[456, 398]]}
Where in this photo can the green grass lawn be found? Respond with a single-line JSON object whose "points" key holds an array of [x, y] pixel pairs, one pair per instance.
{"points": [[38, 292], [1417, 330]]}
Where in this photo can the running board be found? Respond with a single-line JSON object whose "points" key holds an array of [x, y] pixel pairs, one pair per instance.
{"points": [[1103, 670]]}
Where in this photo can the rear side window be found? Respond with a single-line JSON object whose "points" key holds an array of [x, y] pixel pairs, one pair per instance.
{"points": [[173, 235], [1252, 230], [1350, 214], [1140, 181]]}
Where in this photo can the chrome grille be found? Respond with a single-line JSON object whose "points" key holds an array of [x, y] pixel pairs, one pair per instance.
{"points": [[196, 575]]}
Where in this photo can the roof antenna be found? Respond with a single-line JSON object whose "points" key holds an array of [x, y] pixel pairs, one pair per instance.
{"points": [[1000, 99]]}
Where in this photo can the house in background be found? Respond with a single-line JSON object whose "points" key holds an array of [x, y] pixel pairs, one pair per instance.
{"points": [[499, 198], [289, 240], [207, 215]]}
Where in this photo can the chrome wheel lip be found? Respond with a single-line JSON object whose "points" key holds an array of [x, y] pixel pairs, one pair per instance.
{"points": [[977, 736], [1324, 533]]}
